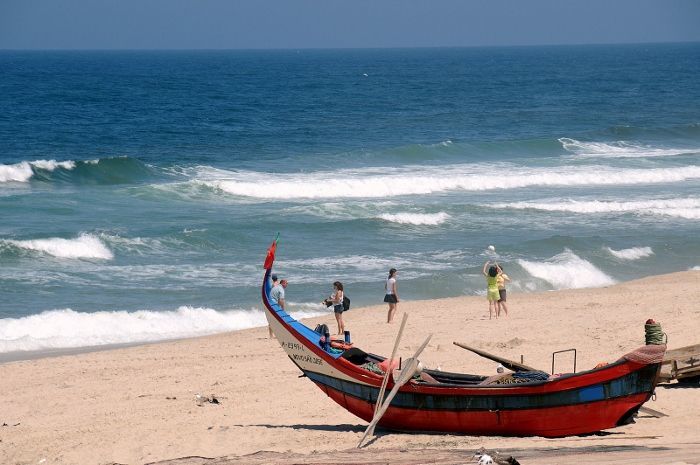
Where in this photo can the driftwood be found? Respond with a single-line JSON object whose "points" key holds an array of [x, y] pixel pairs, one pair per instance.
{"points": [[510, 364]]}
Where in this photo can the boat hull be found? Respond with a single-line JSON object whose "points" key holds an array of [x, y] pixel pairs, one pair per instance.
{"points": [[574, 404], [546, 422]]}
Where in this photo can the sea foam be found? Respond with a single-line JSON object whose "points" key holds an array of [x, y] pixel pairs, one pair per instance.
{"points": [[619, 149], [20, 172], [59, 329], [567, 271], [84, 246], [418, 219], [634, 253], [422, 180], [687, 208], [23, 171]]}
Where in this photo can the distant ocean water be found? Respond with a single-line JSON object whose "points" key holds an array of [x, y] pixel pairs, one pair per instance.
{"points": [[140, 190]]}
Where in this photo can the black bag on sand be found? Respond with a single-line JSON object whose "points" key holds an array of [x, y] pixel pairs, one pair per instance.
{"points": [[322, 329]]}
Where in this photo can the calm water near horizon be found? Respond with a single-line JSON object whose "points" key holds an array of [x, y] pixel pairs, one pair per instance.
{"points": [[139, 191]]}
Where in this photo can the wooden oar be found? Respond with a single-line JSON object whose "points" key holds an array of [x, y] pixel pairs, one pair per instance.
{"points": [[510, 364], [652, 412], [380, 397], [406, 375]]}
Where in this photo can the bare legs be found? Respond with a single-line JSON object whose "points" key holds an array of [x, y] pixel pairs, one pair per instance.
{"points": [[493, 308], [392, 311], [341, 325], [502, 306]]}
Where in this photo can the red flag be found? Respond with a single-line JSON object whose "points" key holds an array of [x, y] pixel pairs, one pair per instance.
{"points": [[270, 255]]}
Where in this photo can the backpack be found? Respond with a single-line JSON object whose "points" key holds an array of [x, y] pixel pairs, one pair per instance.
{"points": [[346, 303], [322, 329]]}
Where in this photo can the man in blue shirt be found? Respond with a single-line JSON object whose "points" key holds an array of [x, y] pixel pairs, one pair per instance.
{"points": [[277, 296], [277, 293]]}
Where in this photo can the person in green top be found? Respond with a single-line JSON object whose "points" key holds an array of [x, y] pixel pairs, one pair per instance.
{"points": [[492, 288]]}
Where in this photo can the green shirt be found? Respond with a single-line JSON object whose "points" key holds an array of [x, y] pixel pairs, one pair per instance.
{"points": [[492, 283]]}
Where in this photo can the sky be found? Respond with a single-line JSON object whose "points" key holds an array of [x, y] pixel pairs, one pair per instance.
{"points": [[282, 24]]}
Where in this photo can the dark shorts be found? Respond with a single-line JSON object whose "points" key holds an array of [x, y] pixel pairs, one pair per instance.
{"points": [[502, 295], [338, 308], [390, 299]]}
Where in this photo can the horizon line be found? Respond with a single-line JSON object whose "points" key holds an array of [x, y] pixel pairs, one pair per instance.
{"points": [[407, 47]]}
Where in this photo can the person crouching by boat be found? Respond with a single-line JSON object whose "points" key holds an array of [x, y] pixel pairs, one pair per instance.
{"points": [[501, 279], [277, 296], [492, 288], [391, 297], [336, 300]]}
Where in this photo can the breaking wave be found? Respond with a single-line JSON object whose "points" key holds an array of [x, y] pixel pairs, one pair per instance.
{"points": [[634, 253], [116, 170], [59, 329], [687, 208], [619, 149], [418, 219], [84, 246], [567, 271], [421, 180], [23, 171]]}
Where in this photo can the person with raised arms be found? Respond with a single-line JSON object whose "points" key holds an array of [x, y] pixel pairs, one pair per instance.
{"points": [[491, 288]]}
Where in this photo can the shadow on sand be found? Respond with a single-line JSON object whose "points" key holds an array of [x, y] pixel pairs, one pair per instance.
{"points": [[344, 428]]}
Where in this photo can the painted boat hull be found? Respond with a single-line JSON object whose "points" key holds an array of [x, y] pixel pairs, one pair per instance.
{"points": [[576, 404], [546, 422]]}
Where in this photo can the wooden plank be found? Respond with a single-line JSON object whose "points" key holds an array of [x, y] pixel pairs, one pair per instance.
{"points": [[688, 370], [682, 352], [688, 373], [510, 364], [683, 362]]}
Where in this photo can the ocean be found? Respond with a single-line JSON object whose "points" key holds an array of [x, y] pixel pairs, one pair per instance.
{"points": [[139, 190]]}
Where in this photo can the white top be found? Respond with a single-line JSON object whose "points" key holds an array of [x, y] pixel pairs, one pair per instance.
{"points": [[389, 286]]}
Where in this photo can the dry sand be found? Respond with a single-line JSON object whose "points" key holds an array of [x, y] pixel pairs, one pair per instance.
{"points": [[136, 405]]}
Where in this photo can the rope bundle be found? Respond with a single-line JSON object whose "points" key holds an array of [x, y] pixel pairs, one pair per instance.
{"points": [[653, 335]]}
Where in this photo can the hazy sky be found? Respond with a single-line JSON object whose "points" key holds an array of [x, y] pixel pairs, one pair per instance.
{"points": [[224, 24]]}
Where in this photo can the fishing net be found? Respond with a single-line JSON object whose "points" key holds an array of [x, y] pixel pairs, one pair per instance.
{"points": [[516, 378], [647, 354]]}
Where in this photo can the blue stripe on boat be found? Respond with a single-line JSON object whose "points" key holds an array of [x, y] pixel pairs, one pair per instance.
{"points": [[592, 393], [637, 382], [310, 335]]}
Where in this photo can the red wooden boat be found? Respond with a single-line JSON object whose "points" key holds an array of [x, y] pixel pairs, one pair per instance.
{"points": [[580, 403]]}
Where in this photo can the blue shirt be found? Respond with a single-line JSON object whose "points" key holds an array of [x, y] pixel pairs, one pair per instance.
{"points": [[277, 293]]}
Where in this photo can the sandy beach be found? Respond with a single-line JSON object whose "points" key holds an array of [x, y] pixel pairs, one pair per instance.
{"points": [[136, 405]]}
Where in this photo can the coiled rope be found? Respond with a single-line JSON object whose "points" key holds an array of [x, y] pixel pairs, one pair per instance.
{"points": [[653, 335]]}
